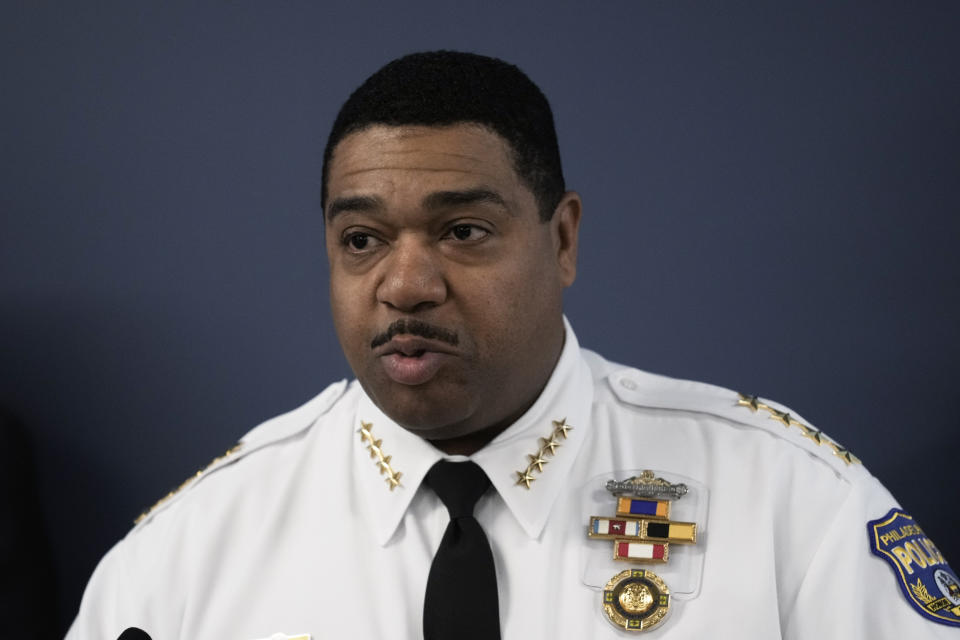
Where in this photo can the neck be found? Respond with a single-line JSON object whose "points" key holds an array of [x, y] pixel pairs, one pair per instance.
{"points": [[470, 443]]}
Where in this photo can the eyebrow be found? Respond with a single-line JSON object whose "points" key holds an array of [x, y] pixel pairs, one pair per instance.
{"points": [[441, 199], [353, 203], [434, 201]]}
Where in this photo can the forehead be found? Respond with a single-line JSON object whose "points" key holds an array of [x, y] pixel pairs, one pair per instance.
{"points": [[421, 157]]}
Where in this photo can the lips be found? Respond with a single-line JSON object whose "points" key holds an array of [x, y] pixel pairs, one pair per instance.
{"points": [[412, 361]]}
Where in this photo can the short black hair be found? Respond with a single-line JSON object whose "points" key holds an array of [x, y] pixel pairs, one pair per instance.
{"points": [[439, 88]]}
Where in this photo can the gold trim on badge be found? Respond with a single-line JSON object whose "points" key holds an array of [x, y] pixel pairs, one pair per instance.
{"points": [[636, 600]]}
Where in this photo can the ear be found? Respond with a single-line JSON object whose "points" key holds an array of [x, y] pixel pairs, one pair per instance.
{"points": [[565, 230]]}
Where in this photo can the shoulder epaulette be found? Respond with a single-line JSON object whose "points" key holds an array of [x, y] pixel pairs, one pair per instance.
{"points": [[639, 388], [271, 431]]}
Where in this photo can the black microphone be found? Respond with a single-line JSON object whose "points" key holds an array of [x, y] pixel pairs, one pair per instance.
{"points": [[134, 634]]}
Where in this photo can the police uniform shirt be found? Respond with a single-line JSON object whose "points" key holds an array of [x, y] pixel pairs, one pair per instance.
{"points": [[318, 526]]}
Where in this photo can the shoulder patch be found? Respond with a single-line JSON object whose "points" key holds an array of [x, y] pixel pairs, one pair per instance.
{"points": [[648, 390], [925, 578], [273, 430]]}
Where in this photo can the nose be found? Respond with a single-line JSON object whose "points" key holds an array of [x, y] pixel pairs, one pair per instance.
{"points": [[413, 279]]}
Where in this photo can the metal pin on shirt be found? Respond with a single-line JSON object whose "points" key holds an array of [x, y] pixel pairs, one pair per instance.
{"points": [[641, 530]]}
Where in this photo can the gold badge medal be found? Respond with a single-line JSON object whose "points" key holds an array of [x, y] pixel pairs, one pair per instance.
{"points": [[636, 599]]}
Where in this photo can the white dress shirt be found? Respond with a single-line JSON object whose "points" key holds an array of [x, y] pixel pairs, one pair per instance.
{"points": [[299, 531]]}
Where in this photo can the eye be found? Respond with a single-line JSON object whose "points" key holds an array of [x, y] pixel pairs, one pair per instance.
{"points": [[468, 232], [359, 242]]}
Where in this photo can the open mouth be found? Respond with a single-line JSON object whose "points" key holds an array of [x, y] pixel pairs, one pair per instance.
{"points": [[413, 368], [413, 360]]}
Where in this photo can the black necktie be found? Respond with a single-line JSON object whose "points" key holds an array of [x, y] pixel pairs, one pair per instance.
{"points": [[461, 600]]}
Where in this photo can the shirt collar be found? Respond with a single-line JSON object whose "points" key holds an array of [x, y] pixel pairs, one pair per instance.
{"points": [[386, 453]]}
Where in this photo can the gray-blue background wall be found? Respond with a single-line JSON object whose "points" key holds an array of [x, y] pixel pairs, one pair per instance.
{"points": [[771, 196]]}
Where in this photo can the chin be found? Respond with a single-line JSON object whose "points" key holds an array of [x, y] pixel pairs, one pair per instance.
{"points": [[430, 420], [431, 410]]}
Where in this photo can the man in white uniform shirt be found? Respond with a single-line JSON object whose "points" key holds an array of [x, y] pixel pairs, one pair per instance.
{"points": [[619, 502]]}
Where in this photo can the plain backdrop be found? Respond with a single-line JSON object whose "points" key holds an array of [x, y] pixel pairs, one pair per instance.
{"points": [[771, 194]]}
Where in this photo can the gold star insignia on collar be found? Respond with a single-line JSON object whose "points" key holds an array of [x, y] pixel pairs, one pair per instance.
{"points": [[364, 431], [376, 452], [525, 477], [394, 480], [548, 447], [537, 461]]}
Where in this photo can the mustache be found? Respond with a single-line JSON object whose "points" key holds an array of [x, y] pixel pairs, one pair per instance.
{"points": [[415, 328]]}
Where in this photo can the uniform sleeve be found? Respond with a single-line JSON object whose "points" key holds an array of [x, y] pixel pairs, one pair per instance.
{"points": [[848, 591], [107, 608], [135, 585]]}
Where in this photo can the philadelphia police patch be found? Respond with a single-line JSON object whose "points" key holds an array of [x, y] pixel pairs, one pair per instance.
{"points": [[925, 578]]}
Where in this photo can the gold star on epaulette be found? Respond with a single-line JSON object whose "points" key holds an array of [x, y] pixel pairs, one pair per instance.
{"points": [[781, 416], [843, 453], [814, 434], [183, 485], [750, 402]]}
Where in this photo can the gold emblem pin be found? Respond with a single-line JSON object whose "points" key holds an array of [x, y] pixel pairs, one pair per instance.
{"points": [[636, 600]]}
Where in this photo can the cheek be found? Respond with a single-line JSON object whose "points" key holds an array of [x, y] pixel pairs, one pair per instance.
{"points": [[345, 308], [509, 306]]}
